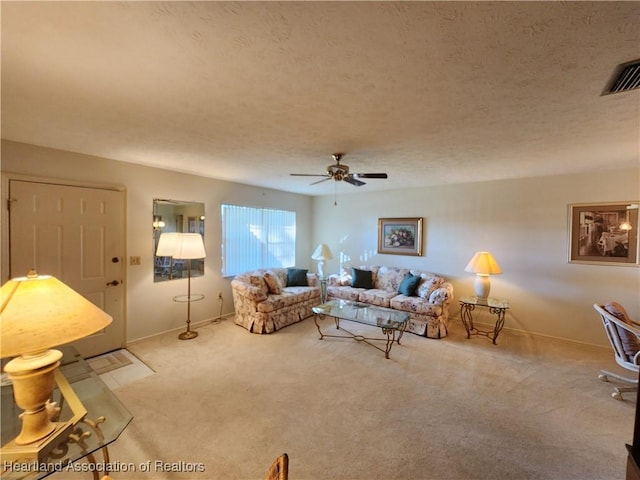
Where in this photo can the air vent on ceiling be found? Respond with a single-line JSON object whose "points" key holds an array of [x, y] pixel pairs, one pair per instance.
{"points": [[625, 78]]}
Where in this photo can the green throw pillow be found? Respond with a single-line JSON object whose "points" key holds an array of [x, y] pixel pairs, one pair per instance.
{"points": [[296, 277], [361, 278], [408, 285]]}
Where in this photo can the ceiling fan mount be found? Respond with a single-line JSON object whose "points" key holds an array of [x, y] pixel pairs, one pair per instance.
{"points": [[340, 172]]}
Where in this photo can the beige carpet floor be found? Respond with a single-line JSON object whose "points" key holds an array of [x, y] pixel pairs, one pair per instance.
{"points": [[527, 408]]}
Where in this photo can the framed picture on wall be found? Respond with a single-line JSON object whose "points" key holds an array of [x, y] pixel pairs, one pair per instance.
{"points": [[400, 236], [604, 233]]}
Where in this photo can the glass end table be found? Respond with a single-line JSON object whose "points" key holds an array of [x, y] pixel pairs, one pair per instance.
{"points": [[495, 306], [103, 418]]}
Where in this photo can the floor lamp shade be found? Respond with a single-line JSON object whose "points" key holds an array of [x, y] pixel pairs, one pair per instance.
{"points": [[322, 253], [189, 246], [167, 244], [483, 265], [38, 312]]}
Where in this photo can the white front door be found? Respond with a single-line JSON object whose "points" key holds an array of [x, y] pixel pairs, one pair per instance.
{"points": [[75, 234]]}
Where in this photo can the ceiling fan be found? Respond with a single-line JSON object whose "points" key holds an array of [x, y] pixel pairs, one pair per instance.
{"points": [[340, 172]]}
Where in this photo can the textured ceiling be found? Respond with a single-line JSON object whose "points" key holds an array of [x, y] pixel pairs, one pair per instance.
{"points": [[429, 92]]}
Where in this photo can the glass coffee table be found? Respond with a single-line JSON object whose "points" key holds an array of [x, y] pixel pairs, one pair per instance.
{"points": [[392, 322]]}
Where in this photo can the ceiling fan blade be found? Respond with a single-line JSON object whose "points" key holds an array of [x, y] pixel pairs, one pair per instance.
{"points": [[353, 181], [370, 175], [309, 175], [320, 181]]}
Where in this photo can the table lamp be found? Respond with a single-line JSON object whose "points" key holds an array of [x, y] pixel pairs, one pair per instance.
{"points": [[38, 312], [483, 264], [187, 247], [321, 254]]}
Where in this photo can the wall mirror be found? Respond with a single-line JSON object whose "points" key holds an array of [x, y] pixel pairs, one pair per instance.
{"points": [[176, 216]]}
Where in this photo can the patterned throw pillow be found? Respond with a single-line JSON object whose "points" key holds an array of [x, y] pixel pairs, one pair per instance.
{"points": [[273, 282], [630, 342], [426, 288], [258, 281]]}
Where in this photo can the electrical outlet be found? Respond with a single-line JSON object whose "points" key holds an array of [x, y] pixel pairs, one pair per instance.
{"points": [[220, 295], [134, 261]]}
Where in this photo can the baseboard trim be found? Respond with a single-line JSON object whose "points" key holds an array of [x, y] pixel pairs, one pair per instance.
{"points": [[194, 325]]}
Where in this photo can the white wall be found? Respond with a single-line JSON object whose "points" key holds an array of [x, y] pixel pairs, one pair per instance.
{"points": [[150, 309], [522, 222]]}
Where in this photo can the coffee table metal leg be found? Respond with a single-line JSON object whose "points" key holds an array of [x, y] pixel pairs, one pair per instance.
{"points": [[392, 335], [401, 331], [315, 320]]}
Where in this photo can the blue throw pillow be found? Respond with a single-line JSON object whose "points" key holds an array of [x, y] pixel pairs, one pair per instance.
{"points": [[361, 278], [296, 277], [408, 285]]}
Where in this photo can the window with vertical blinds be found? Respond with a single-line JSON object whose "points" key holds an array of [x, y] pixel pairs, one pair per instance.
{"points": [[257, 238]]}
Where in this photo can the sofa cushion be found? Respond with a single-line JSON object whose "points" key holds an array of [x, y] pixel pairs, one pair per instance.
{"points": [[375, 296], [361, 278], [296, 277], [290, 296], [408, 285], [273, 283], [630, 342], [344, 293]]}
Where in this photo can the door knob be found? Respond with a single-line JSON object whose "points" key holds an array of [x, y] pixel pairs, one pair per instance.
{"points": [[113, 283]]}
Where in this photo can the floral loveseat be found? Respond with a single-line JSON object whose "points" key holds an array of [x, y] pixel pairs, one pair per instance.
{"points": [[267, 300], [427, 301]]}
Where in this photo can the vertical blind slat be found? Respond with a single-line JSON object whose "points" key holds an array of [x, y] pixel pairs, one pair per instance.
{"points": [[256, 238]]}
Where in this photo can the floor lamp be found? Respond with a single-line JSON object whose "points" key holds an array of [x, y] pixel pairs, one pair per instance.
{"points": [[189, 246]]}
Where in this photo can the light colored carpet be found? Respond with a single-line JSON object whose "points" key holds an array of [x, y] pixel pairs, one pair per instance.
{"points": [[528, 408]]}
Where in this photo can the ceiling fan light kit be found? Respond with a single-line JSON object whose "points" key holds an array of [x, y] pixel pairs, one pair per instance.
{"points": [[340, 172]]}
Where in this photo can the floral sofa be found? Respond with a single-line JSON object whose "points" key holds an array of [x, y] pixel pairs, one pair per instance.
{"points": [[427, 303], [267, 300]]}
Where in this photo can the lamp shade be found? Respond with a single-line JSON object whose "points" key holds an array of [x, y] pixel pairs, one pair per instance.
{"points": [[189, 246], [38, 312], [167, 244], [483, 263], [322, 252]]}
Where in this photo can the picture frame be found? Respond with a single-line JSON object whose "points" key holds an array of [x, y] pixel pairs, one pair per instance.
{"points": [[604, 233], [400, 236]]}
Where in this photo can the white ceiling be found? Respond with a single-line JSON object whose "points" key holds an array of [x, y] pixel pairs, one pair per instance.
{"points": [[429, 92]]}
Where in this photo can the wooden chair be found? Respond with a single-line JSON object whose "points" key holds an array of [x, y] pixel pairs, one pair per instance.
{"points": [[279, 469], [624, 336]]}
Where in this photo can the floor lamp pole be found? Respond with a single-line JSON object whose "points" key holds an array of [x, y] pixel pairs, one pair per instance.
{"points": [[189, 333]]}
